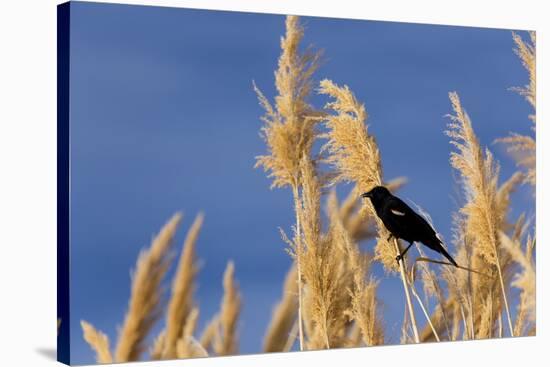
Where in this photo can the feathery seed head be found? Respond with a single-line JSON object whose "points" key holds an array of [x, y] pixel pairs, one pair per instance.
{"points": [[289, 129]]}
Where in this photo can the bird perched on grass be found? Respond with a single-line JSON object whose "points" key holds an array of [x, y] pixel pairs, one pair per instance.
{"points": [[403, 222]]}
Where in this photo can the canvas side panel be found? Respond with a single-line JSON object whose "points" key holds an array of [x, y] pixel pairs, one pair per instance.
{"points": [[63, 182]]}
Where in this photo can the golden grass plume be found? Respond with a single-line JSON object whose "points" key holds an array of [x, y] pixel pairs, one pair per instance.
{"points": [[523, 147], [181, 302], [323, 265], [284, 316], [362, 306], [226, 342], [525, 281], [482, 215], [144, 306], [526, 51], [98, 341], [289, 128], [354, 155]]}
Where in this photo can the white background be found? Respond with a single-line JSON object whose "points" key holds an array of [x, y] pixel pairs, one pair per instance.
{"points": [[28, 181]]}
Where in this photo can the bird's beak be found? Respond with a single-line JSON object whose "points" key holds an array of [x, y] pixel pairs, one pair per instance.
{"points": [[365, 195]]}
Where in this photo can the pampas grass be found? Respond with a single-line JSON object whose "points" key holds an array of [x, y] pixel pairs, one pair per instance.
{"points": [[289, 129], [526, 51], [181, 301], [158, 346], [523, 147], [177, 339], [283, 317], [186, 345], [209, 333], [226, 340], [315, 261], [525, 281], [360, 304], [144, 307], [481, 213], [98, 341], [330, 296], [355, 156]]}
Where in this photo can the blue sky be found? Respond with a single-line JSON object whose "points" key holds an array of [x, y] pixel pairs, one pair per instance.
{"points": [[164, 119]]}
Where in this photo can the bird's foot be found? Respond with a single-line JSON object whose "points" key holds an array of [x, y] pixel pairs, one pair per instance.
{"points": [[398, 258]]}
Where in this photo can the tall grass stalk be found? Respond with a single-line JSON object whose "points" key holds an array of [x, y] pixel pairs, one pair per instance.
{"points": [[480, 176], [299, 265], [403, 273], [422, 307], [289, 128]]}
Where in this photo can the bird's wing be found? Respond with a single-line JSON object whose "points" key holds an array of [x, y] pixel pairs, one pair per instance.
{"points": [[401, 210], [413, 225]]}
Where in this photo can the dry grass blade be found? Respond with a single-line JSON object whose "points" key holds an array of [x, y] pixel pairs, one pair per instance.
{"points": [[423, 308], [403, 272], [284, 316], [144, 306], [444, 321], [186, 345], [432, 288], [189, 347], [158, 346], [229, 314], [98, 341], [183, 285], [210, 333]]}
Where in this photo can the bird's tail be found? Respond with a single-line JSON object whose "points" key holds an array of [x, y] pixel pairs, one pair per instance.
{"points": [[439, 248], [437, 245], [446, 254]]}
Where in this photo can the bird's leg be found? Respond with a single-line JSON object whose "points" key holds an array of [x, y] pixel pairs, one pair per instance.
{"points": [[400, 256]]}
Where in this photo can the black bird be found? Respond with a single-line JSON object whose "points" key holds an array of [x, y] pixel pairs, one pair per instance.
{"points": [[403, 222]]}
